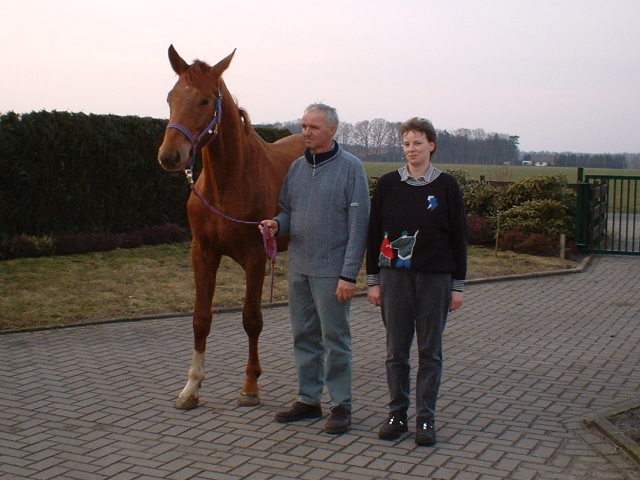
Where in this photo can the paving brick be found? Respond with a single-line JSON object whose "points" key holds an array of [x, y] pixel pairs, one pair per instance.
{"points": [[525, 362]]}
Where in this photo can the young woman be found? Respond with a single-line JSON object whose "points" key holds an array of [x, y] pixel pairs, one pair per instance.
{"points": [[416, 267]]}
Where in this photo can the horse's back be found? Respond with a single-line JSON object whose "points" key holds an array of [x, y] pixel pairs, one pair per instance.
{"points": [[295, 139], [288, 148]]}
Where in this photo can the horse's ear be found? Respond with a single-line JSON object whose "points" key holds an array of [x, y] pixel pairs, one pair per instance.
{"points": [[177, 63], [222, 65]]}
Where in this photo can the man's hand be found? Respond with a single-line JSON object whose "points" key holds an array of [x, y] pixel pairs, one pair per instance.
{"points": [[345, 291], [272, 225]]}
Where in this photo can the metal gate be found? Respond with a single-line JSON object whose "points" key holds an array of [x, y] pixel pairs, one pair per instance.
{"points": [[608, 213]]}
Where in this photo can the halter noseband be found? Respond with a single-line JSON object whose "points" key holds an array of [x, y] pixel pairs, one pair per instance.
{"points": [[204, 138]]}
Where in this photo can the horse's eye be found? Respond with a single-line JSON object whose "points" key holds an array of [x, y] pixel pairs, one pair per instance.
{"points": [[204, 102]]}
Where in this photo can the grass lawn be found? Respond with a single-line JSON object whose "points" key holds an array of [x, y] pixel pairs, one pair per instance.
{"points": [[63, 290]]}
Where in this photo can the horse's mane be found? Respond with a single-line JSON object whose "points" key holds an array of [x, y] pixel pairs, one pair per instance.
{"points": [[199, 75]]}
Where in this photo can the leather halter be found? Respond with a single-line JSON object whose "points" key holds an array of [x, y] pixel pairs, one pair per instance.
{"points": [[206, 136]]}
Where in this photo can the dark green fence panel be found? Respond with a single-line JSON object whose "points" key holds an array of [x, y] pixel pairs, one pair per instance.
{"points": [[608, 219]]}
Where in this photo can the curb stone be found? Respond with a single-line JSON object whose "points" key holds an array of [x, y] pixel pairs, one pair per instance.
{"points": [[601, 422]]}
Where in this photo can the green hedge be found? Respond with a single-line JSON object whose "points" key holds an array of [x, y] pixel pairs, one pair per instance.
{"points": [[67, 172]]}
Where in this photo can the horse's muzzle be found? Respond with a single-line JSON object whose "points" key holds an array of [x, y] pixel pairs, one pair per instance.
{"points": [[171, 163]]}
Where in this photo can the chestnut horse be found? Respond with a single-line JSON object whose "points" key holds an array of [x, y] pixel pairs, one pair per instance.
{"points": [[241, 178]]}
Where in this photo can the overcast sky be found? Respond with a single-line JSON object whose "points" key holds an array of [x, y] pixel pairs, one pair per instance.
{"points": [[563, 75]]}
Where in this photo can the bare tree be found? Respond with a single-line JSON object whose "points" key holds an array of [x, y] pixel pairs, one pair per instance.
{"points": [[345, 134], [378, 133], [362, 137], [394, 141], [463, 132], [479, 134]]}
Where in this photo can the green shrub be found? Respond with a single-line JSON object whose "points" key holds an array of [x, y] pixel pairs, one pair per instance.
{"points": [[373, 181], [540, 188], [461, 177], [536, 206], [548, 217], [481, 198], [271, 134]]}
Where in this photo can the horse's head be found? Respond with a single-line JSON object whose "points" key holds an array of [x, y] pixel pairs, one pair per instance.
{"points": [[193, 103]]}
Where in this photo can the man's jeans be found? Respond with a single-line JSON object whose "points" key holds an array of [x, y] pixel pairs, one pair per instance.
{"points": [[321, 339]]}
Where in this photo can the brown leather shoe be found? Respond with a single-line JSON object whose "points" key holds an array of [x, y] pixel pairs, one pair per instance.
{"points": [[339, 420], [299, 411]]}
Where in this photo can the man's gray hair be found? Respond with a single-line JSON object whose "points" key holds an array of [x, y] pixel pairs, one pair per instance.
{"points": [[330, 114]]}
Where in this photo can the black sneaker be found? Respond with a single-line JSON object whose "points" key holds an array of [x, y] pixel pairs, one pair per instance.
{"points": [[339, 420], [299, 411], [395, 425], [425, 432]]}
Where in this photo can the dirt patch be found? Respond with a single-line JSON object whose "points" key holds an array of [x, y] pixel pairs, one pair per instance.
{"points": [[628, 422]]}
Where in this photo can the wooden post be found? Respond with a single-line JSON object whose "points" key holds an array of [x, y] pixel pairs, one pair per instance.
{"points": [[497, 234], [563, 239]]}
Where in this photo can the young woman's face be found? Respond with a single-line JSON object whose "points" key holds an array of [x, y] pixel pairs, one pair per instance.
{"points": [[417, 148]]}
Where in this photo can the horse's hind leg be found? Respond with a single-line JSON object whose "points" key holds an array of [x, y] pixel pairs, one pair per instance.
{"points": [[252, 323], [204, 268]]}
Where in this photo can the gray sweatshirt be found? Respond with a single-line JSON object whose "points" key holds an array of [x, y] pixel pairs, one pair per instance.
{"points": [[325, 210]]}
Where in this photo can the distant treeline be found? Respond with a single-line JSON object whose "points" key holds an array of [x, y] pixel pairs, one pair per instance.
{"points": [[379, 140], [463, 147], [585, 160]]}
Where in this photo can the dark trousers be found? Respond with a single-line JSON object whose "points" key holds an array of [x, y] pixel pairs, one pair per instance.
{"points": [[414, 302]]}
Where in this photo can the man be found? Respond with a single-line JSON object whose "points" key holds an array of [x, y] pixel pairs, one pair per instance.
{"points": [[324, 207]]}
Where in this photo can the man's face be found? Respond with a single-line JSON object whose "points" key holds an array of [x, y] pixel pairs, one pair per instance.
{"points": [[317, 134]]}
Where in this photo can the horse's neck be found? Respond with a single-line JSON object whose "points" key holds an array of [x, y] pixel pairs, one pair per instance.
{"points": [[225, 163]]}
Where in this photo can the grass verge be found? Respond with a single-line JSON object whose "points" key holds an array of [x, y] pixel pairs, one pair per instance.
{"points": [[155, 280]]}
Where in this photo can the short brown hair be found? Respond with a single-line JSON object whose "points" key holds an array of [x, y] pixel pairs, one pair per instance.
{"points": [[422, 125]]}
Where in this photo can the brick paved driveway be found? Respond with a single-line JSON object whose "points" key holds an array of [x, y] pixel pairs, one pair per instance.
{"points": [[527, 361]]}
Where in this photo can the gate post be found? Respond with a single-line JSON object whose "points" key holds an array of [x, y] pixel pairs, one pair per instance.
{"points": [[582, 213]]}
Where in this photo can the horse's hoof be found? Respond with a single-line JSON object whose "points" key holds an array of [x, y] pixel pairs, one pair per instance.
{"points": [[188, 403], [248, 400]]}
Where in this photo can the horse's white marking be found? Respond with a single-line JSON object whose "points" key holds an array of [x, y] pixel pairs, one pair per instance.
{"points": [[196, 375]]}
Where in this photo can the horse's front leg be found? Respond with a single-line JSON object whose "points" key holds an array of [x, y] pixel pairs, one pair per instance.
{"points": [[205, 267], [252, 323]]}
